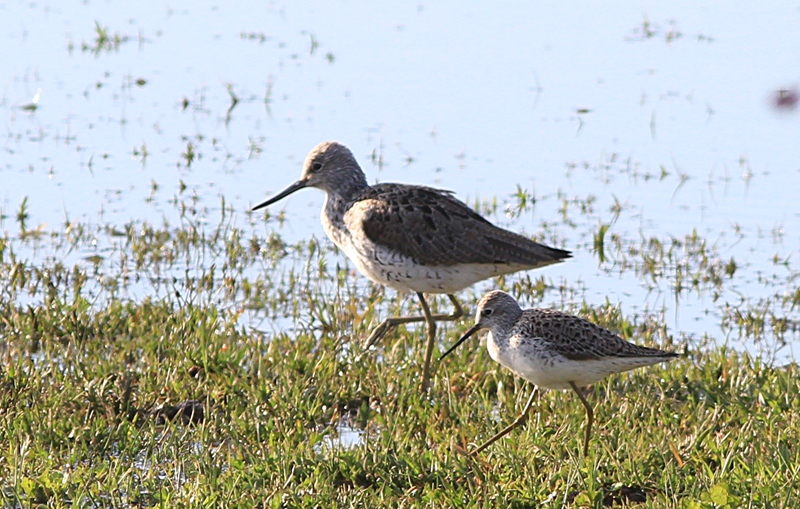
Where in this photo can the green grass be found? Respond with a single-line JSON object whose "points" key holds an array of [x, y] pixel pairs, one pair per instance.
{"points": [[98, 388], [81, 423]]}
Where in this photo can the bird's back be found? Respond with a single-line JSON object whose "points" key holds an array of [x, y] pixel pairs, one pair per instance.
{"points": [[435, 229], [552, 349], [579, 339]]}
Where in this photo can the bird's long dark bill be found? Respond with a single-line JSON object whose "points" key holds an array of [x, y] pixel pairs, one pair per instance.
{"points": [[300, 184], [473, 330]]}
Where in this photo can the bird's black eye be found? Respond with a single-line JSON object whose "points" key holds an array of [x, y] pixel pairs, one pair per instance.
{"points": [[316, 166], [487, 312]]}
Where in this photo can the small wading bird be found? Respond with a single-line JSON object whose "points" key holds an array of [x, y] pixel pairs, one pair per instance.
{"points": [[411, 238], [553, 350]]}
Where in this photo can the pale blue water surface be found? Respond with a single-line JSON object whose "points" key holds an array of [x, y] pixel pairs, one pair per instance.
{"points": [[666, 109]]}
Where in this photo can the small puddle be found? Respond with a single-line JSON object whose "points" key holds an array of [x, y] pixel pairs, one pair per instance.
{"points": [[344, 436]]}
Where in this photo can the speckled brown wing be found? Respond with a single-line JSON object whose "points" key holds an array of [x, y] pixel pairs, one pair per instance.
{"points": [[579, 339], [433, 228]]}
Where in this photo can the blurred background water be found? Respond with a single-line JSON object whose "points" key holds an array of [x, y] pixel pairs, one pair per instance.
{"points": [[665, 118]]}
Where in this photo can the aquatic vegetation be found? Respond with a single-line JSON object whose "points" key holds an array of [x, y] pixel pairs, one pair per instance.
{"points": [[200, 360], [161, 346]]}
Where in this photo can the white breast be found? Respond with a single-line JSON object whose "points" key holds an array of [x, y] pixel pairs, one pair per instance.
{"points": [[394, 270], [550, 370]]}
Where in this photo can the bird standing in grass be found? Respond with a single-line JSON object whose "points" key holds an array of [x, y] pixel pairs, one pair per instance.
{"points": [[553, 350], [411, 238]]}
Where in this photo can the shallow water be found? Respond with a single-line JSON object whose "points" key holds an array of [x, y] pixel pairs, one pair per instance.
{"points": [[657, 121]]}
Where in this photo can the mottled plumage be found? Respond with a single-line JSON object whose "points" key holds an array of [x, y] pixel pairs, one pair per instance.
{"points": [[432, 228], [554, 350], [411, 238]]}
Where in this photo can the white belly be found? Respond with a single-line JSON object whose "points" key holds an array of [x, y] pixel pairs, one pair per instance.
{"points": [[391, 269], [551, 370]]}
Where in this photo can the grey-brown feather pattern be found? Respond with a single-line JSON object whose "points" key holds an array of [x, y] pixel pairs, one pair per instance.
{"points": [[433, 228], [410, 238], [576, 338], [553, 350]]}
